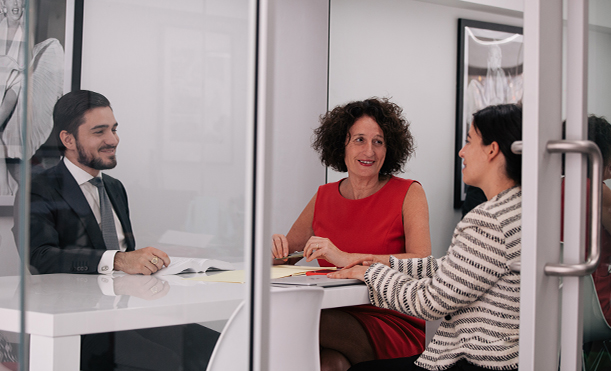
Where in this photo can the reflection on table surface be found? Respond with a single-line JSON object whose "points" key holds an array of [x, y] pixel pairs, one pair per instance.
{"points": [[70, 293], [59, 305]]}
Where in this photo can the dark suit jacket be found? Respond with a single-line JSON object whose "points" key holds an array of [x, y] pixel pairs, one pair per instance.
{"points": [[64, 234]]}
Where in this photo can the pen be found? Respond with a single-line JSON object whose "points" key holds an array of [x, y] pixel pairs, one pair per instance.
{"points": [[296, 254], [322, 272]]}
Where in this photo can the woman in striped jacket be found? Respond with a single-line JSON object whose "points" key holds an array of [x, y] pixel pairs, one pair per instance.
{"points": [[472, 287]]}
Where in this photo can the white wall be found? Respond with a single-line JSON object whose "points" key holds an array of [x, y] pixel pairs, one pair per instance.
{"points": [[177, 76], [298, 80], [599, 71]]}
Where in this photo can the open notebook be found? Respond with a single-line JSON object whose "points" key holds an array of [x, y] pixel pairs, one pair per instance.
{"points": [[184, 265]]}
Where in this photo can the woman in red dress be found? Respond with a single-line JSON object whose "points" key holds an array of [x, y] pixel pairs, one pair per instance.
{"points": [[372, 214]]}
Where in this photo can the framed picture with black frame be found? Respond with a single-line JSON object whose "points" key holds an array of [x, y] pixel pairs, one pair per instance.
{"points": [[489, 71], [45, 54]]}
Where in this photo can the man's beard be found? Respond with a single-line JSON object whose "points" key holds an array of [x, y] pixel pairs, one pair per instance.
{"points": [[95, 162]]}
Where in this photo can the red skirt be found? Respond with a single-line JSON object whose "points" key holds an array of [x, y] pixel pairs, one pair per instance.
{"points": [[392, 334]]}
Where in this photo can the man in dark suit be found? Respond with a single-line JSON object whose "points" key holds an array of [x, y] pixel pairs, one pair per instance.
{"points": [[65, 232], [70, 215]]}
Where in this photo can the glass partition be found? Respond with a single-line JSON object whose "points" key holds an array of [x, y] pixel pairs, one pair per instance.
{"points": [[597, 304], [176, 75], [179, 80], [24, 58]]}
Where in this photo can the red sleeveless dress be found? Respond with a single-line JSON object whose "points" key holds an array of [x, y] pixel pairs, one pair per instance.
{"points": [[372, 225]]}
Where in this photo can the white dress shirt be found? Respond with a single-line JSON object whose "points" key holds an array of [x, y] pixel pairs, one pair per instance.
{"points": [[90, 192]]}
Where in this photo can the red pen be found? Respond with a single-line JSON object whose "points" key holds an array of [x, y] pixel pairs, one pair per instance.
{"points": [[322, 272]]}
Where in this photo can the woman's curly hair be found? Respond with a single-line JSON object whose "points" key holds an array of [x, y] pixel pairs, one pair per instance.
{"points": [[332, 134]]}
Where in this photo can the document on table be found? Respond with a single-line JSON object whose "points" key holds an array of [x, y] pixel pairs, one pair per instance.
{"points": [[238, 276]]}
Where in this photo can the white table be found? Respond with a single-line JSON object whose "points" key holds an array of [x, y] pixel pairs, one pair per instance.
{"points": [[61, 307]]}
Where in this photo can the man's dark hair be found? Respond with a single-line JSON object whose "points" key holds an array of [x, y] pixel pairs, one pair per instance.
{"points": [[502, 124], [69, 112]]}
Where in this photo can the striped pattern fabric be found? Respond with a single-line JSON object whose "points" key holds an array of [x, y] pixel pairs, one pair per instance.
{"points": [[471, 288]]}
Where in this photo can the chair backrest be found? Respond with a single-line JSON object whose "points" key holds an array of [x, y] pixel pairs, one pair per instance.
{"points": [[430, 329], [595, 327], [294, 323]]}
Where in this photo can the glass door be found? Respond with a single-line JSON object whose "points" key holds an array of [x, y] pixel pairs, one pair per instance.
{"points": [[555, 317]]}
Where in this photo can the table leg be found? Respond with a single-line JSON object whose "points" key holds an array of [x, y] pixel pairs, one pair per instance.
{"points": [[55, 353]]}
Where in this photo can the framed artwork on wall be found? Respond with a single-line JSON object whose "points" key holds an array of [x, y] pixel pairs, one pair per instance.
{"points": [[51, 61], [489, 72]]}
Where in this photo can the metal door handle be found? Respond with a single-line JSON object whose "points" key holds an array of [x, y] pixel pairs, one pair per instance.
{"points": [[590, 149]]}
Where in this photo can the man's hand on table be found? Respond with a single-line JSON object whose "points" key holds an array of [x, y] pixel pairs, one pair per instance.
{"points": [[142, 261]]}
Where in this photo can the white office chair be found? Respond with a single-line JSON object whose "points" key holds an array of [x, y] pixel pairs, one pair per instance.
{"points": [[430, 329], [293, 343]]}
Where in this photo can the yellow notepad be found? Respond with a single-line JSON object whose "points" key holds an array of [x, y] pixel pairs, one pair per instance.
{"points": [[277, 271]]}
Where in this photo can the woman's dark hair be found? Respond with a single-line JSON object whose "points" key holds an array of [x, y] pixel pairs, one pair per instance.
{"points": [[332, 134], [502, 124], [69, 112], [599, 132]]}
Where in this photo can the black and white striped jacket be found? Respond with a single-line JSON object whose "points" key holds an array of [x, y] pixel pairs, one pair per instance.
{"points": [[471, 288]]}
